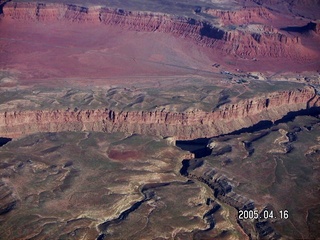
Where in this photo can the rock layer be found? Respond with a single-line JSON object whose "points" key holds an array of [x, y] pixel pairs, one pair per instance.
{"points": [[186, 125], [243, 16], [260, 42]]}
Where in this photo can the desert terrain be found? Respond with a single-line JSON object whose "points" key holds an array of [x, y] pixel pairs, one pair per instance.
{"points": [[159, 119]]}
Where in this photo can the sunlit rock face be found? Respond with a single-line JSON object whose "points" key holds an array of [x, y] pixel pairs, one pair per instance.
{"points": [[254, 41], [187, 125]]}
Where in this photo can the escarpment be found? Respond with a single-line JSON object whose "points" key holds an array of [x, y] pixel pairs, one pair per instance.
{"points": [[252, 42], [182, 125], [242, 16]]}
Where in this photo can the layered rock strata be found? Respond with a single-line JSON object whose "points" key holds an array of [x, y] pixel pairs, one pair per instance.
{"points": [[243, 16], [238, 42], [200, 170], [184, 125]]}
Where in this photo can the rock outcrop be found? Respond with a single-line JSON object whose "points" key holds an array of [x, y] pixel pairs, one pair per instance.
{"points": [[259, 42], [186, 125], [245, 15]]}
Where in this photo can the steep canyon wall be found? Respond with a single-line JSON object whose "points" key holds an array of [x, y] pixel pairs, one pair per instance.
{"points": [[187, 125], [239, 42]]}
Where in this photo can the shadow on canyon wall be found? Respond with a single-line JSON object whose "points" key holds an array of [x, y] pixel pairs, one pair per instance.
{"points": [[301, 29], [199, 146], [4, 141]]}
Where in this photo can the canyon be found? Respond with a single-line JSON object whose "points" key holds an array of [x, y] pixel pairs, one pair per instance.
{"points": [[181, 125], [238, 166], [255, 40], [92, 185]]}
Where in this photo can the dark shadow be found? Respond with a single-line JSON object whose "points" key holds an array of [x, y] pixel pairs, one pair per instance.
{"points": [[76, 8], [211, 32], [197, 9], [185, 166], [8, 207], [301, 29], [254, 128], [262, 125], [101, 236], [2, 5], [4, 141], [197, 146], [192, 21], [313, 111]]}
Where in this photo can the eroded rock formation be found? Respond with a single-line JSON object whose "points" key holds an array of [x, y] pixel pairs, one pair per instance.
{"points": [[242, 16], [186, 125], [253, 41]]}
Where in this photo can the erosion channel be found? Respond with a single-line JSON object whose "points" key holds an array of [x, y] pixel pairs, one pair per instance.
{"points": [[208, 151], [148, 193], [225, 185]]}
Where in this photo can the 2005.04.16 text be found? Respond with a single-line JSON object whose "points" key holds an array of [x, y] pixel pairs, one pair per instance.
{"points": [[265, 214]]}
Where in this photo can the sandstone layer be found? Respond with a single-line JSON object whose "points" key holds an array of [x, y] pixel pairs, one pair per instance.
{"points": [[253, 41], [182, 125]]}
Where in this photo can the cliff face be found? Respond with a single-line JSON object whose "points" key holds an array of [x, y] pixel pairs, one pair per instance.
{"points": [[188, 125], [49, 12], [239, 42], [242, 16]]}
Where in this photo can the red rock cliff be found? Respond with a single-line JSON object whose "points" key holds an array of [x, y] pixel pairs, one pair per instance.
{"points": [[245, 15], [187, 125], [239, 42]]}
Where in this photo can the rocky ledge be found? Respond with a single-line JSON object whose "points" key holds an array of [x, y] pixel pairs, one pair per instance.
{"points": [[182, 125], [253, 41]]}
